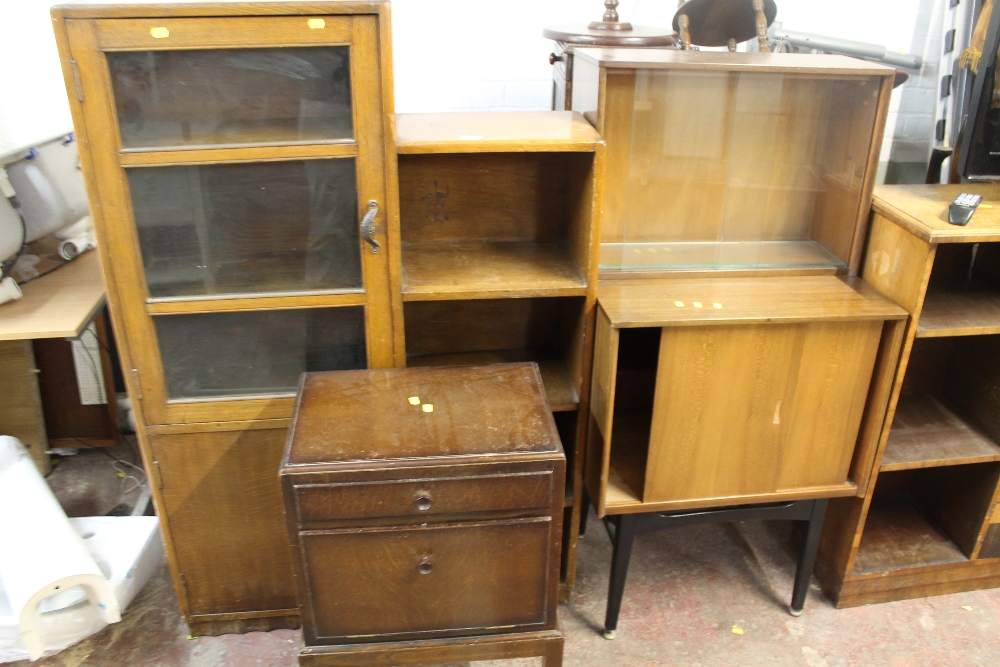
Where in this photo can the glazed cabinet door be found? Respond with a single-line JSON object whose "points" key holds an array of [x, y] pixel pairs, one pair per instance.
{"points": [[239, 166]]}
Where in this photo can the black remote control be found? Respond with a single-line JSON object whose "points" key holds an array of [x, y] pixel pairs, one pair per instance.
{"points": [[960, 211]]}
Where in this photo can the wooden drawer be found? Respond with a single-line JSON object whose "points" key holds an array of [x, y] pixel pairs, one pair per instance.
{"points": [[430, 580], [424, 497]]}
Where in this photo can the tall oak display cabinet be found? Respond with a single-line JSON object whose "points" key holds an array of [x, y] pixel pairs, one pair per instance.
{"points": [[240, 161]]}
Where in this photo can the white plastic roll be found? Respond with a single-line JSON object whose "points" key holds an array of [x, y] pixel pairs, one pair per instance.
{"points": [[41, 554]]}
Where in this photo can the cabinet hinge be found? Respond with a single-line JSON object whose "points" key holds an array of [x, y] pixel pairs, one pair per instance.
{"points": [[184, 585], [76, 79], [138, 384], [157, 475]]}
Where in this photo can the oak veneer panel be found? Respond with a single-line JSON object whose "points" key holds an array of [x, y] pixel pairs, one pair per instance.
{"points": [[398, 499], [221, 501], [897, 264], [730, 422], [970, 382], [729, 62], [926, 434], [469, 270], [991, 544], [898, 537], [957, 312], [238, 32], [21, 413], [159, 8], [332, 425], [495, 197], [560, 389], [546, 643], [483, 132], [919, 582], [923, 211], [692, 302], [368, 582], [959, 499]]}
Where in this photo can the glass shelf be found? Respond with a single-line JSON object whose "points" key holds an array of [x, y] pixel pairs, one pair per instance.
{"points": [[717, 255]]}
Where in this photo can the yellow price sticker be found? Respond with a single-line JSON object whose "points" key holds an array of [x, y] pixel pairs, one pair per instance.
{"points": [[316, 24], [159, 33]]}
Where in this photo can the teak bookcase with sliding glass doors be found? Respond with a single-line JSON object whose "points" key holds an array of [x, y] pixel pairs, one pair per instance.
{"points": [[739, 360], [240, 165]]}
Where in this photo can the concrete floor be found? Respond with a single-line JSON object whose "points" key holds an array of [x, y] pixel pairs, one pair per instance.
{"points": [[702, 596]]}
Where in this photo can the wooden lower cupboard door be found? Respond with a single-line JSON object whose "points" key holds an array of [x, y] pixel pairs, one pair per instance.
{"points": [[220, 500], [756, 409]]}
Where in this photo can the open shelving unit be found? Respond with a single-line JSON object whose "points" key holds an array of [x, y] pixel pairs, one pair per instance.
{"points": [[498, 228], [929, 523]]}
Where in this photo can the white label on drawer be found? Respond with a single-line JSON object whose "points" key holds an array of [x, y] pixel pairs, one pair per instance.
{"points": [[316, 24], [428, 407], [414, 400]]}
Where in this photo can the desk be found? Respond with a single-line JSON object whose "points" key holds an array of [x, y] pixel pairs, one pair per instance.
{"points": [[60, 305]]}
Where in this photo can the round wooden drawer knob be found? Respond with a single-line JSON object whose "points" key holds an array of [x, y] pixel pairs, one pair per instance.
{"points": [[424, 502]]}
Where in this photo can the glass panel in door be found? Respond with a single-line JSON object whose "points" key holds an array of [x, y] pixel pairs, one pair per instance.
{"points": [[231, 97], [255, 228], [250, 353]]}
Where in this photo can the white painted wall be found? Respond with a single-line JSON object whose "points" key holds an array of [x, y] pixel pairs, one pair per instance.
{"points": [[33, 104], [449, 54], [453, 55]]}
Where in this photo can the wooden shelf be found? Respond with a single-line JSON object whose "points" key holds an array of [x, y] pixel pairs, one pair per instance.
{"points": [[651, 302], [898, 537], [926, 434], [437, 272], [494, 132], [953, 312], [559, 388]]}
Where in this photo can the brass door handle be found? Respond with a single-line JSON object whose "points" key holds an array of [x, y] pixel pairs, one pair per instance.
{"points": [[368, 226]]}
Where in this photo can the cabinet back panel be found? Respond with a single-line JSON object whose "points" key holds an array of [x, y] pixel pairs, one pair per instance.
{"points": [[970, 386], [443, 327], [483, 197], [747, 157]]}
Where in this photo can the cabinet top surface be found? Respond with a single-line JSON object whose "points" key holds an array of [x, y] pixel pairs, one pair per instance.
{"points": [[383, 415], [657, 302], [477, 132], [801, 63], [88, 9], [923, 210]]}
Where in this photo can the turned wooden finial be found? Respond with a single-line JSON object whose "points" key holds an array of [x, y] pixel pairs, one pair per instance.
{"points": [[758, 6], [610, 11], [684, 23], [610, 19]]}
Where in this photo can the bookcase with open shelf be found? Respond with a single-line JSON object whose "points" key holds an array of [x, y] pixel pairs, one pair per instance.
{"points": [[498, 221], [928, 523]]}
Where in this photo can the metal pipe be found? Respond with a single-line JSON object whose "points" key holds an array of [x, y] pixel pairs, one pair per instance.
{"points": [[805, 40]]}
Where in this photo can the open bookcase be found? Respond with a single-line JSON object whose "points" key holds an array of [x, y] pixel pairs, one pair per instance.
{"points": [[929, 522], [498, 223]]}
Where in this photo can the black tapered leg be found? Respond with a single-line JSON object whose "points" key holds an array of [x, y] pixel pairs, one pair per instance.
{"points": [[807, 557], [624, 537], [584, 511]]}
